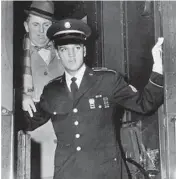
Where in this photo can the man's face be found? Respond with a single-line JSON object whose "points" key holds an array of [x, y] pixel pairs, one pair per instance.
{"points": [[72, 56], [37, 28]]}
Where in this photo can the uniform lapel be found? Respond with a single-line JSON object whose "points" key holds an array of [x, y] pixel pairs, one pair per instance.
{"points": [[63, 87], [88, 82], [59, 96]]}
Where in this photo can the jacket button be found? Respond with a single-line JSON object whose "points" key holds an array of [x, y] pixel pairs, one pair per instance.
{"points": [[45, 73], [78, 148], [115, 159], [75, 110], [76, 123], [77, 136], [54, 113], [100, 106]]}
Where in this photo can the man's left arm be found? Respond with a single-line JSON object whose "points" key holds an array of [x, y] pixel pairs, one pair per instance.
{"points": [[153, 94]]}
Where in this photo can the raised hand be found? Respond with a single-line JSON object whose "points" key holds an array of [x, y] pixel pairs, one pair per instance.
{"points": [[157, 56]]}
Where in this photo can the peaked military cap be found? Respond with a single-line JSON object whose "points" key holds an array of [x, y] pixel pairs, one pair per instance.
{"points": [[69, 31], [44, 9]]}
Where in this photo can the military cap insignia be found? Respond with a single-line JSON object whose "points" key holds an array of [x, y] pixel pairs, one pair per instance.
{"points": [[67, 25]]}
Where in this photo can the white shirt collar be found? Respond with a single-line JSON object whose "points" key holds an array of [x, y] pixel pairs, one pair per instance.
{"points": [[79, 75]]}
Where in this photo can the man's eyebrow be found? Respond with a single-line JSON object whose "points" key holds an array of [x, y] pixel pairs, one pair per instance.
{"points": [[47, 22], [35, 22]]}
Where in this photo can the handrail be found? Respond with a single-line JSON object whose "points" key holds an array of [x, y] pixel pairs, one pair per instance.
{"points": [[24, 156]]}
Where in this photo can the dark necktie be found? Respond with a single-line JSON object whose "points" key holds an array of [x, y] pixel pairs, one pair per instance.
{"points": [[73, 87]]}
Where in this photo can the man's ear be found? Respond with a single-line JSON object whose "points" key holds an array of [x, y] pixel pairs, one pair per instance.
{"points": [[26, 26], [84, 51]]}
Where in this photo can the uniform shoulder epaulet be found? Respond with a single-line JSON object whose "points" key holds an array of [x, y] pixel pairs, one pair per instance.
{"points": [[103, 69], [55, 79]]}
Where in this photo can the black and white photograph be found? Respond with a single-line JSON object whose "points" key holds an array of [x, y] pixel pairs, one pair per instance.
{"points": [[88, 89]]}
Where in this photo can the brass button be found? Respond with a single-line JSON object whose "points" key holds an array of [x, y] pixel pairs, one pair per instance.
{"points": [[76, 123], [78, 148], [55, 141], [100, 106], [77, 136], [45, 73], [75, 110], [4, 111]]}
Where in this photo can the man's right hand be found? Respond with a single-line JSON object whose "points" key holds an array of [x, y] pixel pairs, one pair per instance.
{"points": [[28, 104]]}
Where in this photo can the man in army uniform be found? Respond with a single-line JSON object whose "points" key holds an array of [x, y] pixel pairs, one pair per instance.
{"points": [[82, 103]]}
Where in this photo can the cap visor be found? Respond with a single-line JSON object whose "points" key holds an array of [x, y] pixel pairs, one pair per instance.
{"points": [[70, 40]]}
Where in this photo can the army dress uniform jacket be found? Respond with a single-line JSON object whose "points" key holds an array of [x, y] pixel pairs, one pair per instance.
{"points": [[86, 144]]}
